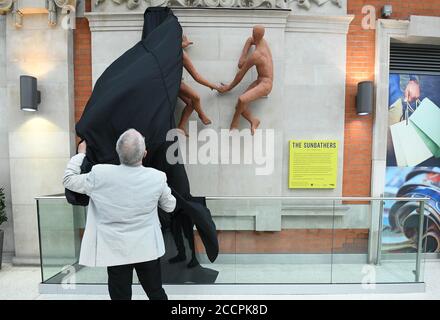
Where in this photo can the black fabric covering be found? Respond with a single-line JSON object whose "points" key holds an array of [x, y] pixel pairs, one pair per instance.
{"points": [[179, 273], [139, 90]]}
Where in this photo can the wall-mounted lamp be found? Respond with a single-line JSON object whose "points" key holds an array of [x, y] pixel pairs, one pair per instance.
{"points": [[387, 11], [364, 98], [30, 97]]}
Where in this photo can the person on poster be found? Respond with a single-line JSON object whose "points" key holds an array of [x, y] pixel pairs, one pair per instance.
{"points": [[406, 91], [123, 231], [412, 88]]}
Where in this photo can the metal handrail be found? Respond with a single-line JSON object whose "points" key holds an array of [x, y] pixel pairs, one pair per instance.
{"points": [[282, 198], [420, 241], [314, 198], [419, 253]]}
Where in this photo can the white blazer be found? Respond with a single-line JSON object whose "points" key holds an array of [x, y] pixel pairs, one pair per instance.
{"points": [[122, 221]]}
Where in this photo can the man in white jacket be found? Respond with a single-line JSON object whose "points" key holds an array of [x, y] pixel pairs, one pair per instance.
{"points": [[123, 231]]}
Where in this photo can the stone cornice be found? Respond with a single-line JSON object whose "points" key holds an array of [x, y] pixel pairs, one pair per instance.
{"points": [[393, 24], [422, 26], [231, 17], [319, 24], [99, 21], [192, 17], [226, 18]]}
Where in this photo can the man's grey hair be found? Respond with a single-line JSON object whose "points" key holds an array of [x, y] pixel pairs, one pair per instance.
{"points": [[130, 147]]}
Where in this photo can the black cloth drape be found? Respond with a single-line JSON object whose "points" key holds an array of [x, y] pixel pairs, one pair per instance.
{"points": [[139, 90]]}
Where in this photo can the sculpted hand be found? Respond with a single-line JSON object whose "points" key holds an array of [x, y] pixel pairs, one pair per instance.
{"points": [[240, 63], [214, 87], [82, 147], [223, 88], [186, 42], [412, 91]]}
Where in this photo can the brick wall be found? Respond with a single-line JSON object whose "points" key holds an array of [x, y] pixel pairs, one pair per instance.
{"points": [[297, 241], [82, 63], [360, 67]]}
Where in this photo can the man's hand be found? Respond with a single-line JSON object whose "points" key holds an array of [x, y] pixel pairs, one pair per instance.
{"points": [[223, 88], [412, 91], [82, 147]]}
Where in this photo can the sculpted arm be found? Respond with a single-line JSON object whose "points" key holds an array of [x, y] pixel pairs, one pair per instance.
{"points": [[245, 52], [195, 74], [249, 62]]}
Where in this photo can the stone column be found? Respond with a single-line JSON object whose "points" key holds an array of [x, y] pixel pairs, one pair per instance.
{"points": [[5, 182], [40, 143]]}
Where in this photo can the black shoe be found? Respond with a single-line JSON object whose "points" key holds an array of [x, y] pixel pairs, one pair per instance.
{"points": [[193, 263], [178, 258]]}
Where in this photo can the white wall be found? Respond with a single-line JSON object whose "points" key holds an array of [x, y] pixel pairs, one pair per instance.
{"points": [[40, 143], [5, 182], [307, 100], [215, 54]]}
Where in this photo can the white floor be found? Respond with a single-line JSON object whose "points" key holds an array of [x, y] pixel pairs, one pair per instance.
{"points": [[22, 283], [306, 273]]}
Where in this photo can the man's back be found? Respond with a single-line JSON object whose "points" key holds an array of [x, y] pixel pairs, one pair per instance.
{"points": [[123, 231], [126, 193], [124, 202], [122, 220]]}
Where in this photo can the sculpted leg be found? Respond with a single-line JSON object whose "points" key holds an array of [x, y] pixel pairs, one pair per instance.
{"points": [[195, 98], [254, 92], [186, 113], [236, 118], [255, 122]]}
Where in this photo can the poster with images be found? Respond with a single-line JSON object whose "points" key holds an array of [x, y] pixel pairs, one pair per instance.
{"points": [[413, 162]]}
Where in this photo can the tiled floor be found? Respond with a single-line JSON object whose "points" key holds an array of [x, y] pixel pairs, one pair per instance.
{"points": [[22, 283]]}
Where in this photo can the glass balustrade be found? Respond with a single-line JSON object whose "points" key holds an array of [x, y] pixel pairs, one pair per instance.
{"points": [[269, 240]]}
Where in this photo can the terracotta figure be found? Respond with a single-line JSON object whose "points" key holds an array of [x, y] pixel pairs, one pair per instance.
{"points": [[188, 94], [261, 58]]}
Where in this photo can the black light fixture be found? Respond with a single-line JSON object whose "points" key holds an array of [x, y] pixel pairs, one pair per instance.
{"points": [[364, 98], [30, 97], [387, 11]]}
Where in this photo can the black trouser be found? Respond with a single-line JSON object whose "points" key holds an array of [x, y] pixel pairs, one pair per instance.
{"points": [[181, 222], [120, 280]]}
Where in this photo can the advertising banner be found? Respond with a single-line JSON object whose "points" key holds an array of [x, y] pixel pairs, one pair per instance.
{"points": [[413, 162]]}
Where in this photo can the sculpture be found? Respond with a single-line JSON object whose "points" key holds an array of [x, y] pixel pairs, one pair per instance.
{"points": [[132, 4], [261, 58], [306, 3], [269, 4], [21, 8], [188, 94], [121, 99], [6, 6]]}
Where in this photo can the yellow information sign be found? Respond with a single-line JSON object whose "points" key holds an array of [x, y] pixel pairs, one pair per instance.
{"points": [[313, 164]]}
